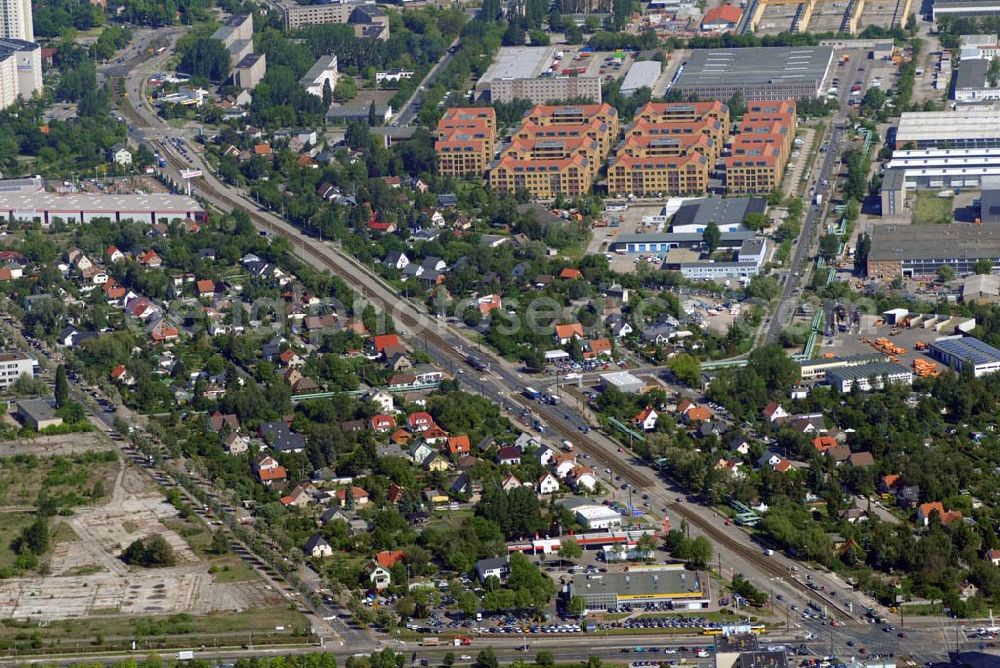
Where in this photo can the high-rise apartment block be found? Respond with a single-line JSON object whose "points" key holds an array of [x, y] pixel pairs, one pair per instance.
{"points": [[15, 20], [20, 56]]}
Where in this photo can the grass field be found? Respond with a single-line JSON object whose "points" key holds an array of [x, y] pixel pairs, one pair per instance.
{"points": [[72, 480], [224, 628], [11, 525], [932, 210], [233, 571]]}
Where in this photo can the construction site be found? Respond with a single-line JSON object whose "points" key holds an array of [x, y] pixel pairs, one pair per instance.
{"points": [[771, 17]]}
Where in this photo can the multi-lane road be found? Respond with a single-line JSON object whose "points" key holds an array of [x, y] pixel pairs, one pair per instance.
{"points": [[849, 75], [503, 383]]}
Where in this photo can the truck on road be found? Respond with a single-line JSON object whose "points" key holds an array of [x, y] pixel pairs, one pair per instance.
{"points": [[185, 655], [819, 198]]}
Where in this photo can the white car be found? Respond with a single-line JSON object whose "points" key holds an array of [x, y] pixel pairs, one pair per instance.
{"points": [[465, 657]]}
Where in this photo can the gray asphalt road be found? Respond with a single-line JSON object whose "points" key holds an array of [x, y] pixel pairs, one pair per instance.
{"points": [[848, 75]]}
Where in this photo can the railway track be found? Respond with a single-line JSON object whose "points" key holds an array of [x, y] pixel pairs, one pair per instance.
{"points": [[419, 326], [361, 281], [759, 560]]}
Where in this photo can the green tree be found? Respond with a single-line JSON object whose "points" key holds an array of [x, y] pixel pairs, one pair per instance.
{"points": [[61, 386], [487, 658], [686, 368], [778, 370], [33, 539], [699, 552], [576, 606], [711, 236], [646, 544], [569, 550], [861, 253], [945, 273], [220, 543], [206, 59], [983, 266], [737, 106], [151, 551], [545, 658], [829, 245], [756, 221]]}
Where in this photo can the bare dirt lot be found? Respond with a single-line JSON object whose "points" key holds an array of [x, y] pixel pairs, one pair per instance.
{"points": [[89, 579], [63, 444]]}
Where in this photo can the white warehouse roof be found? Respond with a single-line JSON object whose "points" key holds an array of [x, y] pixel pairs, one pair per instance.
{"points": [[915, 126], [93, 203]]}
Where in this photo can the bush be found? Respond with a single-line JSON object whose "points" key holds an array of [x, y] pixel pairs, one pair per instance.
{"points": [[151, 551]]}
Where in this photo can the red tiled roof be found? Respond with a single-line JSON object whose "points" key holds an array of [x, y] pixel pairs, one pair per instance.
{"points": [[277, 473], [389, 558], [722, 14]]}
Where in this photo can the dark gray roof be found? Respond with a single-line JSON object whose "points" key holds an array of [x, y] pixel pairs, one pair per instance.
{"points": [[934, 242], [720, 210], [971, 74], [755, 65], [38, 409], [283, 439]]}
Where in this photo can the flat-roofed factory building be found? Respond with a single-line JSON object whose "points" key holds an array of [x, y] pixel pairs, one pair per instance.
{"points": [[642, 585], [84, 207], [759, 73], [966, 353]]}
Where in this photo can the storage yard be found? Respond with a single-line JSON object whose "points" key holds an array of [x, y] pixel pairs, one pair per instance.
{"points": [[904, 338]]}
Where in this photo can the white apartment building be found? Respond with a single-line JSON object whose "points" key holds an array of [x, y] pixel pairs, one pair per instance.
{"points": [[15, 20], [324, 71], [12, 366]]}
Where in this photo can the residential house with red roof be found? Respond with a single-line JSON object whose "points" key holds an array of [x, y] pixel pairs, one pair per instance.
{"points": [[382, 423], [434, 435], [383, 341], [824, 443], [162, 331], [150, 259], [598, 348], [459, 445], [646, 419], [389, 558], [566, 333], [723, 18], [925, 510], [120, 374], [570, 273], [773, 411], [420, 421], [205, 288]]}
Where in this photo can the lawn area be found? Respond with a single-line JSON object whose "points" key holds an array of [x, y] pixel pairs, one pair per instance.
{"points": [[932, 210]]}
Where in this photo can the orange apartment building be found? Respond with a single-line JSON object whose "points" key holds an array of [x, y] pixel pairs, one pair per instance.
{"points": [[466, 140], [761, 148], [557, 149], [671, 149]]}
